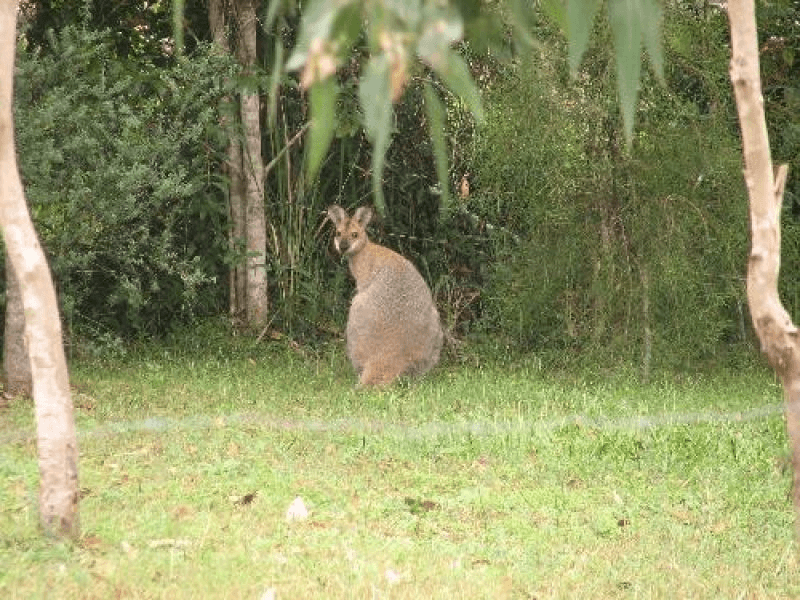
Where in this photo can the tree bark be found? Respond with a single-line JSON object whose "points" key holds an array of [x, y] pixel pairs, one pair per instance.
{"points": [[776, 332], [249, 299], [233, 167], [253, 166], [16, 362], [55, 426]]}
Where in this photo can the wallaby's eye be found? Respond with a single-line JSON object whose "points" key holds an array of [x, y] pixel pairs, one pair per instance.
{"points": [[354, 235]]}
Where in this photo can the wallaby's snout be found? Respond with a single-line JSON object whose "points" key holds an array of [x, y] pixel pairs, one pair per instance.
{"points": [[393, 327]]}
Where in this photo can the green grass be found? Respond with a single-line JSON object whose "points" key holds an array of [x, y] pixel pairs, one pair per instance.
{"points": [[478, 482]]}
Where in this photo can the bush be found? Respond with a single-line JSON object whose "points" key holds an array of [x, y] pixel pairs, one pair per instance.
{"points": [[120, 159], [630, 254]]}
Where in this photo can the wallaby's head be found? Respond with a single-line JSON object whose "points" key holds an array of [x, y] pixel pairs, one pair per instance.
{"points": [[351, 232]]}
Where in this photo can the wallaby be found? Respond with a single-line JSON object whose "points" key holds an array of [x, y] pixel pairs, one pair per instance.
{"points": [[393, 327]]}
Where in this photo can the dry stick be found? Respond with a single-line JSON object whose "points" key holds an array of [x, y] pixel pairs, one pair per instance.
{"points": [[776, 332], [271, 164]]}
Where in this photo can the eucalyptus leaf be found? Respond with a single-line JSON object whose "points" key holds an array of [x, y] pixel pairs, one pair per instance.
{"points": [[580, 15], [375, 95], [409, 12], [177, 25], [346, 27], [443, 26], [323, 123], [625, 19], [274, 81], [316, 24], [554, 9], [520, 11], [436, 124], [651, 19], [272, 13], [451, 67]]}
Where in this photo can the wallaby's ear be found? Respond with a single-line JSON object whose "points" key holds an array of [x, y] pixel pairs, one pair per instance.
{"points": [[336, 214], [363, 215]]}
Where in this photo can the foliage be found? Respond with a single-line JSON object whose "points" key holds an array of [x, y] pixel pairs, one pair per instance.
{"points": [[400, 35], [638, 252], [566, 240], [633, 24], [396, 36], [134, 29], [120, 163]]}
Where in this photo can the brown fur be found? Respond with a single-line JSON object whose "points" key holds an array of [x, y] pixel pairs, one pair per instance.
{"points": [[393, 327]]}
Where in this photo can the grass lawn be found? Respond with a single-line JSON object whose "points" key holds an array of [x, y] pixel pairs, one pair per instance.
{"points": [[477, 482]]}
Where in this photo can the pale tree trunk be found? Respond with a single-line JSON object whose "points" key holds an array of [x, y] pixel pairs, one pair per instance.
{"points": [[244, 165], [55, 426], [233, 167], [236, 206], [16, 363], [253, 166], [773, 325]]}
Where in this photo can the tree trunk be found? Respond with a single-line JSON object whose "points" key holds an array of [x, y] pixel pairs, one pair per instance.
{"points": [[256, 226], [236, 206], [55, 426], [248, 282], [233, 167], [16, 363], [776, 332]]}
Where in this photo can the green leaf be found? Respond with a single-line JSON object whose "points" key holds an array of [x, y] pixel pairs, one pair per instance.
{"points": [[520, 16], [318, 18], [408, 12], [436, 124], [634, 22], [580, 20], [374, 93], [323, 123], [454, 72], [346, 27], [273, 10], [625, 18], [652, 17], [443, 27]]}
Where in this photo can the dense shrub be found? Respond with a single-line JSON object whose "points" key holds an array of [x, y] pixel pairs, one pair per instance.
{"points": [[635, 253], [567, 240], [120, 160]]}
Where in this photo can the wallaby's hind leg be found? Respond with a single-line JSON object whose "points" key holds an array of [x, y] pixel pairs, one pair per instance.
{"points": [[379, 373]]}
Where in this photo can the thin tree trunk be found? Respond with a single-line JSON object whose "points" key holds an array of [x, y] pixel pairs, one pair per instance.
{"points": [[233, 167], [237, 205], [256, 227], [55, 426], [257, 298], [16, 363], [773, 325]]}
